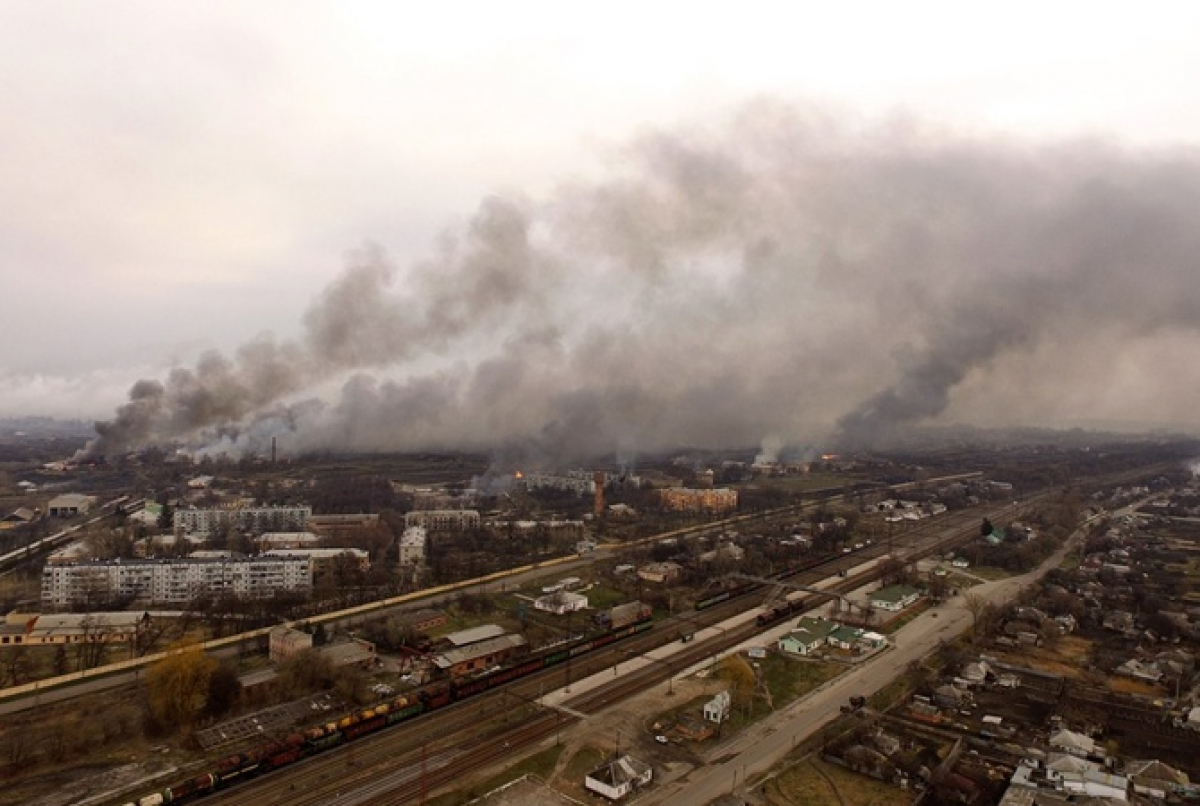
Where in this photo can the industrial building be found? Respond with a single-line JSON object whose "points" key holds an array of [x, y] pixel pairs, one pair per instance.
{"points": [[69, 505]]}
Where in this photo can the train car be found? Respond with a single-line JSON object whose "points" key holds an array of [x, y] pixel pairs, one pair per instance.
{"points": [[408, 712], [556, 657], [364, 726], [470, 688], [437, 697], [772, 614], [513, 672], [239, 765], [193, 787], [725, 595], [322, 737]]}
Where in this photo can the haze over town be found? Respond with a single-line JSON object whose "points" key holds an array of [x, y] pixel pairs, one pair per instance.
{"points": [[460, 231]]}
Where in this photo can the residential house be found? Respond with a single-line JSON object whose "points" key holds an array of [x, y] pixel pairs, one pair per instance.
{"points": [[22, 516], [1119, 620], [809, 635], [845, 638], [1155, 779], [976, 673], [660, 572], [1138, 670], [948, 696], [1074, 743], [894, 598], [561, 602]]}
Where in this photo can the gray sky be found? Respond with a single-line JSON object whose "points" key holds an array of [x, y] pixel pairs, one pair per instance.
{"points": [[654, 182]]}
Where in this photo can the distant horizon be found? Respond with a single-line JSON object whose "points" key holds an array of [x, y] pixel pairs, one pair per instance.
{"points": [[467, 225]]}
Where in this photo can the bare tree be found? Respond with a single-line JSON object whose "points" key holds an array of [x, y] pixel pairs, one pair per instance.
{"points": [[94, 639], [149, 632], [16, 664], [977, 607]]}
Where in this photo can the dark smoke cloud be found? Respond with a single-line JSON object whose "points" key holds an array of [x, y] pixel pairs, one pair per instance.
{"points": [[783, 274]]}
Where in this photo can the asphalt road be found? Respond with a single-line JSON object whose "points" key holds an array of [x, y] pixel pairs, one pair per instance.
{"points": [[757, 749]]}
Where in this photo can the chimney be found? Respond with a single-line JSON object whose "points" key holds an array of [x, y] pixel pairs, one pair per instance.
{"points": [[273, 453]]}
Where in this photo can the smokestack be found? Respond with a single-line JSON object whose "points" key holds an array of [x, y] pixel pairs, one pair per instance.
{"points": [[273, 451], [598, 501]]}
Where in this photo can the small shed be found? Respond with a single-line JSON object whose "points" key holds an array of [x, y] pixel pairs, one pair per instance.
{"points": [[618, 777], [717, 709]]}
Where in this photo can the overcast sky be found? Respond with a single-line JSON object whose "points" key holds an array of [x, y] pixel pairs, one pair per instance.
{"points": [[182, 177]]}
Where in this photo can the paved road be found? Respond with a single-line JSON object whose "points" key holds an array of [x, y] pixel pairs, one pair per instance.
{"points": [[757, 749]]}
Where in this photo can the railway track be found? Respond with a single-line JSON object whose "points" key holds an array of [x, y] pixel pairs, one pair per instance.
{"points": [[396, 765]]}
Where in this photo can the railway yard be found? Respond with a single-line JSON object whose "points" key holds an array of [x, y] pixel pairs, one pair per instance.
{"points": [[625, 684], [450, 744]]}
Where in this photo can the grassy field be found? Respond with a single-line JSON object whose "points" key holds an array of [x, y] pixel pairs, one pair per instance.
{"points": [[542, 765], [813, 782], [786, 680], [807, 482]]}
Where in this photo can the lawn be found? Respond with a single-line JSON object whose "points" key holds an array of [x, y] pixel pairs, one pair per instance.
{"points": [[786, 680]]}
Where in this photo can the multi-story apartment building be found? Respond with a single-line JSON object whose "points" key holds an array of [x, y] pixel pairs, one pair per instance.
{"points": [[255, 520], [580, 482], [412, 546], [685, 499], [323, 562], [444, 520], [173, 581]]}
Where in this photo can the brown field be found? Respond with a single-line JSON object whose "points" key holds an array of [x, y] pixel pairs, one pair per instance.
{"points": [[813, 782], [1067, 657], [1127, 685]]}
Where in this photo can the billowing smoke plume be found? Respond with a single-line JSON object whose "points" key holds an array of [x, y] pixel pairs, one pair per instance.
{"points": [[768, 453], [780, 274]]}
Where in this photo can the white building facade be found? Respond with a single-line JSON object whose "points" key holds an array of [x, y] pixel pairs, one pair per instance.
{"points": [[255, 520], [444, 520], [174, 581], [412, 547]]}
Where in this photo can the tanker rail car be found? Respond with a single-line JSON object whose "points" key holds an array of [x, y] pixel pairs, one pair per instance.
{"points": [[364, 721]]}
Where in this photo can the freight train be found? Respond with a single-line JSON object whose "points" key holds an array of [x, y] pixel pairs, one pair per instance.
{"points": [[319, 738], [782, 610]]}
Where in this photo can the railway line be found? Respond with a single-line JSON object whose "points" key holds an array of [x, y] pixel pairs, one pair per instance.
{"points": [[322, 780], [430, 753]]}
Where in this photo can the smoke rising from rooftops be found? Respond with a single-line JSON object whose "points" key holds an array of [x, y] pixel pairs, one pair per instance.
{"points": [[782, 273]]}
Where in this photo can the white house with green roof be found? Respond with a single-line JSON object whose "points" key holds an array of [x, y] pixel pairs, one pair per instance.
{"points": [[809, 635], [894, 598], [845, 637]]}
